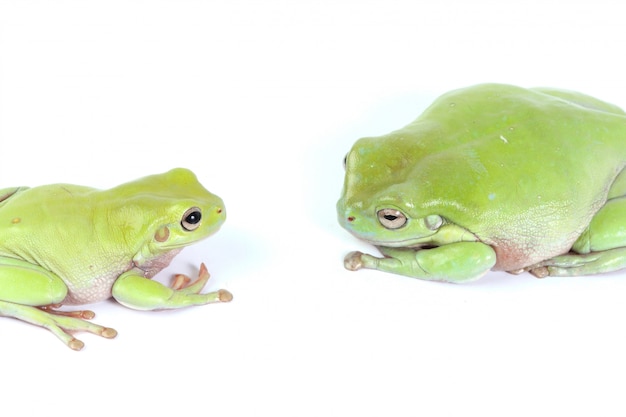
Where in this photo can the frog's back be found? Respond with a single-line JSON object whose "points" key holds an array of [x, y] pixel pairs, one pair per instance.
{"points": [[582, 100], [54, 213], [531, 167]]}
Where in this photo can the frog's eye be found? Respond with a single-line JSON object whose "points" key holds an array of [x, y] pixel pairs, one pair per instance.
{"points": [[391, 218], [191, 219]]}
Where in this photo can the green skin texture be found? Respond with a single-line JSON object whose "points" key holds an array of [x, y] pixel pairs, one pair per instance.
{"points": [[493, 177], [69, 244]]}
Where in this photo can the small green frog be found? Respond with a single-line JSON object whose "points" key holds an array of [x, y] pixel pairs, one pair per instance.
{"points": [[493, 177], [69, 244]]}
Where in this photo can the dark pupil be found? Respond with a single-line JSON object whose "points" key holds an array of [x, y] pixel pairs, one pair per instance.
{"points": [[390, 217], [193, 218]]}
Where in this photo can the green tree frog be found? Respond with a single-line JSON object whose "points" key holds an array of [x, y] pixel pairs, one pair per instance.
{"points": [[492, 177], [69, 244]]}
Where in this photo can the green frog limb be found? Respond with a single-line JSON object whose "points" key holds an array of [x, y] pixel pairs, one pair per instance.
{"points": [[135, 291], [600, 248], [458, 262], [27, 290]]}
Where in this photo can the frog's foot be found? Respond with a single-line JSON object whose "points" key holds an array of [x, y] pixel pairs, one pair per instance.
{"points": [[456, 262], [358, 260], [79, 314], [180, 281], [574, 264], [135, 291], [61, 325], [183, 285], [352, 261]]}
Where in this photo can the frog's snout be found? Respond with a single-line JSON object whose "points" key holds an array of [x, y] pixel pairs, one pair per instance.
{"points": [[346, 216], [347, 221]]}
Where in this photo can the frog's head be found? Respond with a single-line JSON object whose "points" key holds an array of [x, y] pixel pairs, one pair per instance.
{"points": [[386, 203], [165, 212], [385, 222]]}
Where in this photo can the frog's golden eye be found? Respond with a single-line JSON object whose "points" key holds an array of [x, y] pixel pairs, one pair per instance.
{"points": [[191, 219], [391, 218]]}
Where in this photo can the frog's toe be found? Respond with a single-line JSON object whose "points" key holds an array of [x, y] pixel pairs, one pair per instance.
{"points": [[64, 325], [224, 296], [108, 333], [75, 344], [183, 284], [79, 314], [540, 272], [180, 281], [353, 261]]}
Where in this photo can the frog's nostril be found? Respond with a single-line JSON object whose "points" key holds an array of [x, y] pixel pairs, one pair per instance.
{"points": [[351, 218]]}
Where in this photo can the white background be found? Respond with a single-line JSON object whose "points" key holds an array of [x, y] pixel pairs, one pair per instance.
{"points": [[262, 100]]}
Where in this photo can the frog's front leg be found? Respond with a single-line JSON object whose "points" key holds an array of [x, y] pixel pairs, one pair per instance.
{"points": [[454, 262], [600, 248], [133, 290], [26, 291]]}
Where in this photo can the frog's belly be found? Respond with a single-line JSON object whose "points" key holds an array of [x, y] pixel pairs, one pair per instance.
{"points": [[513, 256], [96, 290], [86, 289], [537, 234]]}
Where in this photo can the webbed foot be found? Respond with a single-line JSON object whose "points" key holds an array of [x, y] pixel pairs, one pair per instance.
{"points": [[140, 293], [353, 261], [183, 285], [62, 324]]}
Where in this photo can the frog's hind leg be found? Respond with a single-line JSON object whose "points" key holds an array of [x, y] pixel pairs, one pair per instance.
{"points": [[29, 293], [600, 248], [59, 323]]}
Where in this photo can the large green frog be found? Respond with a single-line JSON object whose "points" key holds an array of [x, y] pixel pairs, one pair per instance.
{"points": [[492, 177]]}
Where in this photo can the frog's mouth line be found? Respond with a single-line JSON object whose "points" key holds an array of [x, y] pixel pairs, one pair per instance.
{"points": [[424, 242], [412, 243]]}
